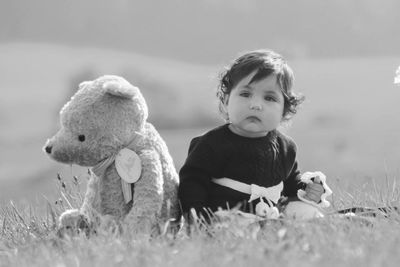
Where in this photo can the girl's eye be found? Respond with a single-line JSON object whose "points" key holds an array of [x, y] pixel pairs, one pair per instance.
{"points": [[81, 137], [270, 98], [245, 94]]}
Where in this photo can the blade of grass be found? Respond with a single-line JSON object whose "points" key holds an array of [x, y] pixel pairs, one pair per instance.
{"points": [[52, 214], [19, 215], [66, 200]]}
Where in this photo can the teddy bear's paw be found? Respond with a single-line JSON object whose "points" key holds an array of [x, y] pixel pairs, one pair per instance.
{"points": [[73, 223]]}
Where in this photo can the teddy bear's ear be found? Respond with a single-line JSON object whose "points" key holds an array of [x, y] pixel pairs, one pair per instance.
{"points": [[118, 89], [84, 84]]}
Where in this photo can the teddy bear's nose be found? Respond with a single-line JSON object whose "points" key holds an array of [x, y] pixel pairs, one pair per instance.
{"points": [[48, 149]]}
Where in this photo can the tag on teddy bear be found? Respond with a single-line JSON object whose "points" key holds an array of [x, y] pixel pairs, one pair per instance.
{"points": [[128, 165], [126, 191]]}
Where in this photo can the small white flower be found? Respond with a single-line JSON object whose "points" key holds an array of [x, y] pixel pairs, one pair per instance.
{"points": [[397, 78]]}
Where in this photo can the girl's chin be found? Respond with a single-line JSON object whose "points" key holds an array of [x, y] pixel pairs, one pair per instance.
{"points": [[256, 133], [249, 131], [254, 128]]}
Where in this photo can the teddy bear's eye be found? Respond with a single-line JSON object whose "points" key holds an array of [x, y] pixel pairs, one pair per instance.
{"points": [[81, 137]]}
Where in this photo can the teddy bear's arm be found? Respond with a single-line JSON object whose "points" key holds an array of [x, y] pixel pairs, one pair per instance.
{"points": [[148, 194], [90, 206], [87, 215]]}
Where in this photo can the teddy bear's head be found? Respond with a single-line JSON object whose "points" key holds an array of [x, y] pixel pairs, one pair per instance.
{"points": [[103, 116]]}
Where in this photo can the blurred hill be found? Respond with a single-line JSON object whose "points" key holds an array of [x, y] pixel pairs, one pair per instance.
{"points": [[210, 31]]}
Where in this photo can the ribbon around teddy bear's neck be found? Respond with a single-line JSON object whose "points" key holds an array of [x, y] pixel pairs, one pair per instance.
{"points": [[102, 166], [128, 166]]}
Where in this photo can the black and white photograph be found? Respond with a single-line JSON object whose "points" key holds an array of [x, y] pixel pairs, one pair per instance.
{"points": [[199, 133]]}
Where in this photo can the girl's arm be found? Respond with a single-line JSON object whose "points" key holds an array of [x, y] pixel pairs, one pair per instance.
{"points": [[292, 182]]}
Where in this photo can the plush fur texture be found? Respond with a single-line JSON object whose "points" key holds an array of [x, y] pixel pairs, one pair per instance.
{"points": [[104, 116]]}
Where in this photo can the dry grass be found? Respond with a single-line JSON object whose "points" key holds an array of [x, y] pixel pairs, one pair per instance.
{"points": [[28, 238]]}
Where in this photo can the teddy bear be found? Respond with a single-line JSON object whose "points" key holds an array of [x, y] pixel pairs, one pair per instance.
{"points": [[133, 181]]}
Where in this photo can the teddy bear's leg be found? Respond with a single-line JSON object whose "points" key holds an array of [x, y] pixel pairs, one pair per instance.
{"points": [[147, 196], [301, 210]]}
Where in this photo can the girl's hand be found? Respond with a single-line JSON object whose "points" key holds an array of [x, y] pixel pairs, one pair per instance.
{"points": [[314, 190]]}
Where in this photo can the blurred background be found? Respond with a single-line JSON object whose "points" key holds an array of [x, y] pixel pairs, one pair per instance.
{"points": [[344, 54]]}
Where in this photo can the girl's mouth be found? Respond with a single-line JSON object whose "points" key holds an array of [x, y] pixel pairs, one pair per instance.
{"points": [[253, 118]]}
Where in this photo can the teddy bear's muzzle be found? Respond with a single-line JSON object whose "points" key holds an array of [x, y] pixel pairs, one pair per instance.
{"points": [[48, 149], [48, 146]]}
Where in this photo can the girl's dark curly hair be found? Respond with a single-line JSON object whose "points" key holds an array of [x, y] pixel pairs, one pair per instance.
{"points": [[264, 63]]}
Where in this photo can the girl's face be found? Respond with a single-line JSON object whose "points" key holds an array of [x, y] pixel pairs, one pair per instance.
{"points": [[255, 109]]}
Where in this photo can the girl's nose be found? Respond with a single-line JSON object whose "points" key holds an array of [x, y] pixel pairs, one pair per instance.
{"points": [[255, 105]]}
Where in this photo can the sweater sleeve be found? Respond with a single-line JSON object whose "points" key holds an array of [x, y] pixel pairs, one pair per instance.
{"points": [[292, 182], [195, 175]]}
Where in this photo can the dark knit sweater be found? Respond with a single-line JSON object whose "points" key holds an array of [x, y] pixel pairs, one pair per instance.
{"points": [[265, 161]]}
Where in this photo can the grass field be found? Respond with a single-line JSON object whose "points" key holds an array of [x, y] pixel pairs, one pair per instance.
{"points": [[28, 238], [348, 128]]}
